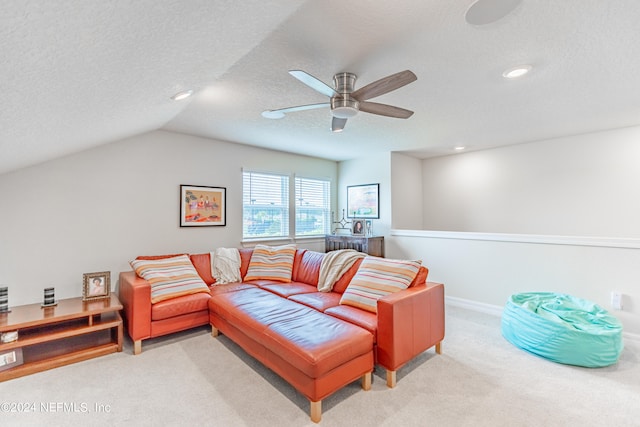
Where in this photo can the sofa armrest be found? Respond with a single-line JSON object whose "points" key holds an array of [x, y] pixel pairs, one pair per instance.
{"points": [[409, 322], [135, 295]]}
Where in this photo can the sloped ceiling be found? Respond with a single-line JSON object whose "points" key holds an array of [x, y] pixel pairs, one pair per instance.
{"points": [[77, 74]]}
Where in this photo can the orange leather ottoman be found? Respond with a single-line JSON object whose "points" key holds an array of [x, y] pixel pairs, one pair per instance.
{"points": [[316, 353]]}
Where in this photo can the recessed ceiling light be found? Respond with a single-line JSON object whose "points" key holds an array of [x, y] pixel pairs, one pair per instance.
{"points": [[515, 72], [483, 12], [459, 147], [182, 95]]}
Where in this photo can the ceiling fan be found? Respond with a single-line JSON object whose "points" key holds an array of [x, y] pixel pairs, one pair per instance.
{"points": [[345, 102]]}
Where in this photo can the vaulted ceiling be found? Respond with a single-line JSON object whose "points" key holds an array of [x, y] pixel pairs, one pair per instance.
{"points": [[77, 74]]}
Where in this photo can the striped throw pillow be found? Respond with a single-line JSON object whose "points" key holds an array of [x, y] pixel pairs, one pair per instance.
{"points": [[169, 277], [376, 278], [271, 263]]}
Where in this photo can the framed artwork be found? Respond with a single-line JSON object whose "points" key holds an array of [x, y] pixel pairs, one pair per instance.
{"points": [[96, 285], [363, 201], [368, 227], [358, 227], [202, 206]]}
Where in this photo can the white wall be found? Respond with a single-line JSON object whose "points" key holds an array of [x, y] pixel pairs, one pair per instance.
{"points": [[584, 185], [560, 215], [371, 169], [406, 192], [96, 210]]}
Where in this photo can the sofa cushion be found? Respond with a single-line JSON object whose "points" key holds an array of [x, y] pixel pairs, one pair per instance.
{"points": [[181, 305], [364, 319], [148, 257], [288, 289], [271, 263], [229, 287], [202, 264], [421, 277], [341, 285], [312, 342], [318, 300], [245, 259], [308, 268], [376, 278], [169, 277]]}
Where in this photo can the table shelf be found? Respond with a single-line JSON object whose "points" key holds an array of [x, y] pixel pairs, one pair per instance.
{"points": [[49, 337]]}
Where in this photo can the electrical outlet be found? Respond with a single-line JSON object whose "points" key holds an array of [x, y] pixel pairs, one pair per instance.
{"points": [[616, 300]]}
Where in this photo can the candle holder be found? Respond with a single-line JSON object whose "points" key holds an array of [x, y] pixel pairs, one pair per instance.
{"points": [[4, 299], [49, 297]]}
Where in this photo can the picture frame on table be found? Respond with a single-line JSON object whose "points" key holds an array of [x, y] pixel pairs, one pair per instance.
{"points": [[96, 285], [363, 201], [358, 227], [203, 206]]}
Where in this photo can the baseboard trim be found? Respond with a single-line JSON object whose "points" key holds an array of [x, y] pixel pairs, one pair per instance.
{"points": [[496, 310], [481, 307]]}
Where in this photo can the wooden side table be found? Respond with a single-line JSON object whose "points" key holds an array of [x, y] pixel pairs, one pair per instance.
{"points": [[370, 245], [48, 337]]}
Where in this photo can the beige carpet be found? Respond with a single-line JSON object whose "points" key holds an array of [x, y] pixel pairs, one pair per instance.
{"points": [[193, 379]]}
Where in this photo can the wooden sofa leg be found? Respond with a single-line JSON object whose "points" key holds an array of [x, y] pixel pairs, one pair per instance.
{"points": [[137, 347], [366, 381], [439, 348], [391, 378], [316, 411], [214, 331]]}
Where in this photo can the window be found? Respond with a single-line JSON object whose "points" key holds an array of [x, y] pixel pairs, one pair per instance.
{"points": [[265, 205], [312, 207]]}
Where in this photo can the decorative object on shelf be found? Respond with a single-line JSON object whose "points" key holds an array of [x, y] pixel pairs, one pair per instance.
{"points": [[9, 336], [358, 228], [49, 297], [343, 223], [96, 285], [10, 359], [369, 228], [4, 299], [202, 206], [363, 201]]}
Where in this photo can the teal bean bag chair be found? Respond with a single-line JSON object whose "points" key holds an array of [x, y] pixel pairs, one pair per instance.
{"points": [[562, 328]]}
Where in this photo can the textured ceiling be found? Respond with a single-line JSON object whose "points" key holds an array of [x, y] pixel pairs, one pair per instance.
{"points": [[76, 74]]}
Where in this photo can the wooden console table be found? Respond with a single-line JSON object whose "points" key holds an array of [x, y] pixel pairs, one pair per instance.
{"points": [[369, 245], [71, 331]]}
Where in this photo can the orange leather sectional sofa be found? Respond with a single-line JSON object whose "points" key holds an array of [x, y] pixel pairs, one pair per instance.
{"points": [[305, 336]]}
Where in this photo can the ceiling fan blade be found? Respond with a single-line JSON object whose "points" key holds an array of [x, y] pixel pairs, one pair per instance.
{"points": [[384, 85], [337, 124], [279, 113], [385, 110], [313, 83]]}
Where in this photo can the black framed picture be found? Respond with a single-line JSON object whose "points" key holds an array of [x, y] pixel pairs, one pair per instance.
{"points": [[202, 206], [363, 201]]}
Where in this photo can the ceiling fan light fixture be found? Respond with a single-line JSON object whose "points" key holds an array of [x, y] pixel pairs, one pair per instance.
{"points": [[515, 72], [182, 95], [270, 114], [344, 108]]}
